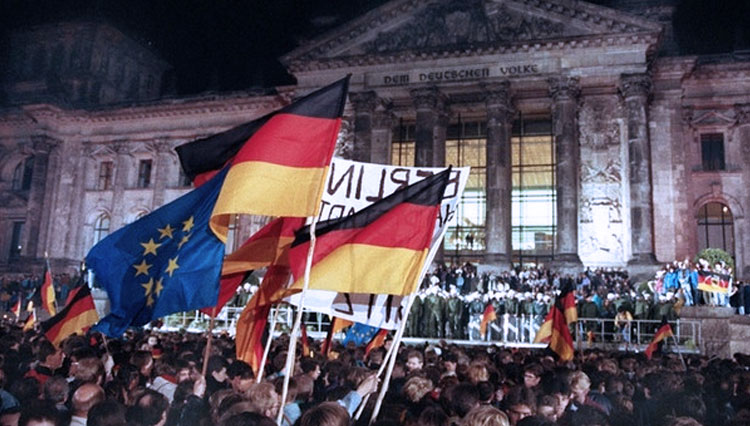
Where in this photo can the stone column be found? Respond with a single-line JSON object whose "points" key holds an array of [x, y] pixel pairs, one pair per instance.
{"points": [[364, 107], [741, 240], [40, 195], [430, 131], [564, 91], [382, 131], [498, 248], [163, 151], [635, 90], [123, 165]]}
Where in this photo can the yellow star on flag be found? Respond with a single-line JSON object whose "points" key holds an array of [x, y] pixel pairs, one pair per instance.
{"points": [[148, 286], [166, 231], [188, 224], [159, 286], [185, 239], [149, 300], [150, 247], [172, 266], [142, 268]]}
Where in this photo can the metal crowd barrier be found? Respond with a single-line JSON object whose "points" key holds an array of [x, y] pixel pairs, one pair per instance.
{"points": [[507, 330]]}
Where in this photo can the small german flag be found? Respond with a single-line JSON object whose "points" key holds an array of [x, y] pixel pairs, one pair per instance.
{"points": [[664, 331], [378, 250], [48, 292], [377, 341], [555, 329], [30, 321], [488, 317], [76, 317], [16, 309], [305, 341]]}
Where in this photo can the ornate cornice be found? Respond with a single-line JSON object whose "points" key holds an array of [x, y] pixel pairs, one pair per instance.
{"points": [[610, 40], [635, 85], [564, 88]]}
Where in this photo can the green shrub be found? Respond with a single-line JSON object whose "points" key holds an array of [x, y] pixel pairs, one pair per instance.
{"points": [[714, 256]]}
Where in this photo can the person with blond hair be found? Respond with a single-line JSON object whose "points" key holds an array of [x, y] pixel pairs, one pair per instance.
{"points": [[485, 415], [417, 387]]}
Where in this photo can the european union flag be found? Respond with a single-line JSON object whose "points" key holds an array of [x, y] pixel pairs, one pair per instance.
{"points": [[360, 334], [168, 261]]}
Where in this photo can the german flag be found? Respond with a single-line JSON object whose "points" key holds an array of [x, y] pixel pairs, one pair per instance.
{"points": [[664, 331], [568, 296], [48, 292], [252, 322], [16, 309], [30, 321], [377, 341], [379, 250], [337, 324], [488, 316], [713, 282], [76, 317], [555, 329], [281, 163]]}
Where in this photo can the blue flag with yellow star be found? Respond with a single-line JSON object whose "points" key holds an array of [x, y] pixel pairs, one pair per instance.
{"points": [[360, 334], [165, 262]]}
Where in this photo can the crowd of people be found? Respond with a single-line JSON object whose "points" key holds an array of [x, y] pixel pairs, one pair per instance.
{"points": [[149, 378]]}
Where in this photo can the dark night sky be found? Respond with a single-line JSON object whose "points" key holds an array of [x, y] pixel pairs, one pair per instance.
{"points": [[233, 44]]}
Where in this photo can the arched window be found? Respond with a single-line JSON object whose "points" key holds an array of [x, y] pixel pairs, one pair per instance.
{"points": [[101, 227], [716, 227], [22, 175]]}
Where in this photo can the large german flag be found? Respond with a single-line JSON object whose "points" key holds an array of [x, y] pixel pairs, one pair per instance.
{"points": [[280, 167], [379, 250], [713, 282], [664, 331], [488, 316], [555, 329], [48, 292], [76, 317]]}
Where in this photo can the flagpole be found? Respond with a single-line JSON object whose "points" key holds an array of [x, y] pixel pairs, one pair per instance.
{"points": [[290, 356], [209, 339], [386, 359], [679, 352], [392, 360], [267, 349]]}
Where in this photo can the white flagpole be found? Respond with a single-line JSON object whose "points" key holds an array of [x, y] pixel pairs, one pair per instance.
{"points": [[290, 356], [262, 367]]}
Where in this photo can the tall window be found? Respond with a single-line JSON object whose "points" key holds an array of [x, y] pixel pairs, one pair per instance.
{"points": [[22, 175], [533, 197], [403, 146], [101, 227], [465, 145], [712, 151], [144, 174], [716, 227], [105, 176], [232, 234], [15, 240]]}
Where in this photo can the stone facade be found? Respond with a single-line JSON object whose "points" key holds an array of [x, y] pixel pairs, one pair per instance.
{"points": [[627, 122]]}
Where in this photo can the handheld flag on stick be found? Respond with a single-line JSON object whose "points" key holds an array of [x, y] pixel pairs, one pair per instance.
{"points": [[379, 250], [77, 316], [168, 261], [664, 331], [305, 342], [377, 341], [488, 317], [278, 163], [30, 321], [48, 291], [16, 309], [337, 324], [555, 329]]}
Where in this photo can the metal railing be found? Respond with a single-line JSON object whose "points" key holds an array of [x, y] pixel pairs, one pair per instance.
{"points": [[507, 330]]}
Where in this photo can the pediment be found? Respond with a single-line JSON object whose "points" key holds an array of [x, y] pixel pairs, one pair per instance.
{"points": [[712, 118], [449, 25]]}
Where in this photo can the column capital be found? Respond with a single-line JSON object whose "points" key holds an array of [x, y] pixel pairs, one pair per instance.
{"points": [[429, 98], [43, 144], [564, 88], [363, 102], [383, 115], [742, 112], [497, 96], [635, 85]]}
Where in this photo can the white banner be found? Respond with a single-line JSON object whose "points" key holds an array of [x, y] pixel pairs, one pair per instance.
{"points": [[352, 186]]}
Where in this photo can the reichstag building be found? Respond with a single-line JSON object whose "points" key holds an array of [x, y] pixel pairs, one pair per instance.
{"points": [[591, 140]]}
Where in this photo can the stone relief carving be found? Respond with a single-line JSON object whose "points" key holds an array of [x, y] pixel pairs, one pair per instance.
{"points": [[345, 142], [598, 126], [463, 23], [594, 172]]}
